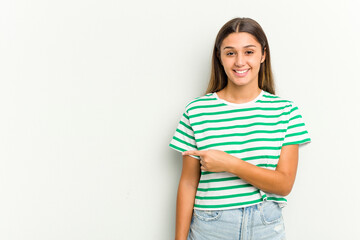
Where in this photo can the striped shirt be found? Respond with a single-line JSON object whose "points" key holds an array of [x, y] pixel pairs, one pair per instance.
{"points": [[254, 132]]}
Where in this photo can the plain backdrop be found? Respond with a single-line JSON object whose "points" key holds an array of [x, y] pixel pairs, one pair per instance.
{"points": [[91, 92]]}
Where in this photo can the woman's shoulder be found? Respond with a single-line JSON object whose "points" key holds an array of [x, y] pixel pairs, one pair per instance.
{"points": [[201, 101], [273, 98]]}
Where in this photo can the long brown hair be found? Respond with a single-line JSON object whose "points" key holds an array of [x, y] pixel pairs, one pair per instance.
{"points": [[218, 78]]}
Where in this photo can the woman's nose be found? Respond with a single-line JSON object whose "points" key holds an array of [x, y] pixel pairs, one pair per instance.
{"points": [[240, 61]]}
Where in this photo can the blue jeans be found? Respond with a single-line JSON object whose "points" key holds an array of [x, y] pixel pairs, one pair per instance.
{"points": [[257, 222]]}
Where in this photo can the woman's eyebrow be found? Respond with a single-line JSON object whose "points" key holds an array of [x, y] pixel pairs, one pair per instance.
{"points": [[228, 47], [247, 46]]}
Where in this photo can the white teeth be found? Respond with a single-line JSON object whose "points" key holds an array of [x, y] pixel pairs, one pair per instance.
{"points": [[242, 71]]}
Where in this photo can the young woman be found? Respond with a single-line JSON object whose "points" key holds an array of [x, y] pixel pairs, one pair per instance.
{"points": [[239, 144]]}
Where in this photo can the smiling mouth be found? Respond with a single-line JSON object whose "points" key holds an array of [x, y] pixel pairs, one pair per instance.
{"points": [[243, 71]]}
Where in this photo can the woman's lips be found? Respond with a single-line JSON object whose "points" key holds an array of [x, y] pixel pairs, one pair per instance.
{"points": [[241, 73]]}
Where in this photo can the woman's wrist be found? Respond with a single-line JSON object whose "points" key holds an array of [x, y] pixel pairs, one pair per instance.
{"points": [[180, 237], [232, 164]]}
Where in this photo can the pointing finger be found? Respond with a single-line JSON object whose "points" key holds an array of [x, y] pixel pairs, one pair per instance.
{"points": [[195, 153]]}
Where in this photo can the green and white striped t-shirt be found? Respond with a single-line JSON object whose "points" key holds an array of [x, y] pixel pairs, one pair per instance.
{"points": [[253, 131]]}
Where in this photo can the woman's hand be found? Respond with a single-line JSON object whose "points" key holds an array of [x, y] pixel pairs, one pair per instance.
{"points": [[212, 160]]}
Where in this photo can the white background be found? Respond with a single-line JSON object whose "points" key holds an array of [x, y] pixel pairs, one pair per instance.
{"points": [[91, 93]]}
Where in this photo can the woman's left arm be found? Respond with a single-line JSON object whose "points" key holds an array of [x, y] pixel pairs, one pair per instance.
{"points": [[279, 181]]}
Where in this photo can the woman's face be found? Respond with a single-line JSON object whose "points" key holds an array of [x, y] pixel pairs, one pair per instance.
{"points": [[241, 57]]}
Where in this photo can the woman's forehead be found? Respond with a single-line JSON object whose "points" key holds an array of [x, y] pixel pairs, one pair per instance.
{"points": [[239, 40]]}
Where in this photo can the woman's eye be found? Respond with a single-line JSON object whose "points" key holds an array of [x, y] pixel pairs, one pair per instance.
{"points": [[249, 52], [230, 53]]}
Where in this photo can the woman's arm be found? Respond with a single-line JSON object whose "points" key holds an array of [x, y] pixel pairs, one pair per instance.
{"points": [[188, 184], [279, 181]]}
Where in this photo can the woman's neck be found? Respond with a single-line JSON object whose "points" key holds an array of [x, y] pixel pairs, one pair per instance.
{"points": [[239, 95]]}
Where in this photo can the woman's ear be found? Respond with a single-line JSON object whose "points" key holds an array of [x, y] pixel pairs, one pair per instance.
{"points": [[263, 57]]}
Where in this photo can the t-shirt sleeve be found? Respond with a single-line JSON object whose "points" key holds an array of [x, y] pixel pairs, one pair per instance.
{"points": [[183, 139], [296, 132]]}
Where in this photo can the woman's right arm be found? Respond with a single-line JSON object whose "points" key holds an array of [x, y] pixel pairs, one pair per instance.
{"points": [[188, 184]]}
